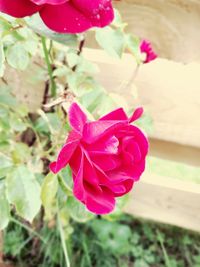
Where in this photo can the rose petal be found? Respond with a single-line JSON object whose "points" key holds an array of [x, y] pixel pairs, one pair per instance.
{"points": [[101, 203], [18, 8], [95, 130], [64, 18], [145, 47], [78, 189], [118, 114], [138, 135], [136, 115], [65, 154], [131, 146], [123, 188], [77, 117], [128, 172], [51, 2], [107, 145], [105, 163], [99, 12], [76, 16], [127, 186]]}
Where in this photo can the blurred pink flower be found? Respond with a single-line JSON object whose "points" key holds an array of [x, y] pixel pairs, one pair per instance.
{"points": [[106, 157], [63, 16], [145, 47]]}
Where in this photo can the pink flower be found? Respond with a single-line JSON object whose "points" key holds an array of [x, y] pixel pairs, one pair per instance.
{"points": [[145, 47], [64, 16], [106, 157]]}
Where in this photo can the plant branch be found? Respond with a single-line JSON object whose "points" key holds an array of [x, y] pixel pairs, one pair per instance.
{"points": [[62, 237], [27, 228], [80, 49], [49, 67]]}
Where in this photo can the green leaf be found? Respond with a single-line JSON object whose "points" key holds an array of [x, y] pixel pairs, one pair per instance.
{"points": [[86, 66], [117, 22], [92, 99], [4, 25], [112, 41], [17, 124], [133, 45], [20, 152], [23, 191], [48, 122], [6, 98], [119, 236], [66, 176], [2, 60], [31, 46], [17, 56], [36, 24], [48, 193], [5, 165], [72, 59], [4, 208], [78, 211], [140, 263]]}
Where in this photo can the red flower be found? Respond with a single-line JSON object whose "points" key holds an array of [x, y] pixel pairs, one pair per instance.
{"points": [[145, 47], [106, 157], [64, 16]]}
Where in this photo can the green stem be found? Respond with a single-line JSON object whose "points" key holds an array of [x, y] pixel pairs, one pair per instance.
{"points": [[28, 229], [62, 236], [49, 67], [166, 257]]}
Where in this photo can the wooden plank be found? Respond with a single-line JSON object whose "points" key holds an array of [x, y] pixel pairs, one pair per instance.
{"points": [[175, 152], [166, 200], [169, 91]]}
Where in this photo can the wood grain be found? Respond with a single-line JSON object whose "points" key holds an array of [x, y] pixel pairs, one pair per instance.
{"points": [[171, 25], [166, 200], [169, 91]]}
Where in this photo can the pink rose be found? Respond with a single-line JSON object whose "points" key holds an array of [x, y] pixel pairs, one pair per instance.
{"points": [[106, 157], [146, 48], [64, 16]]}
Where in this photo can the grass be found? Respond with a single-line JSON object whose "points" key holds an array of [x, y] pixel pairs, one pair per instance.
{"points": [[127, 242]]}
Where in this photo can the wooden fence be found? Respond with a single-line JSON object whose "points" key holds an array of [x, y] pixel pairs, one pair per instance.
{"points": [[169, 92]]}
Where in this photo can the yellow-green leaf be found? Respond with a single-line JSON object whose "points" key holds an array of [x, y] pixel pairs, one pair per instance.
{"points": [[4, 208], [48, 194]]}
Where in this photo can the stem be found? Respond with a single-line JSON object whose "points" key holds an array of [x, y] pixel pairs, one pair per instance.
{"points": [[166, 257], [81, 45], [49, 67], [135, 73], [28, 229], [80, 49], [63, 242]]}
